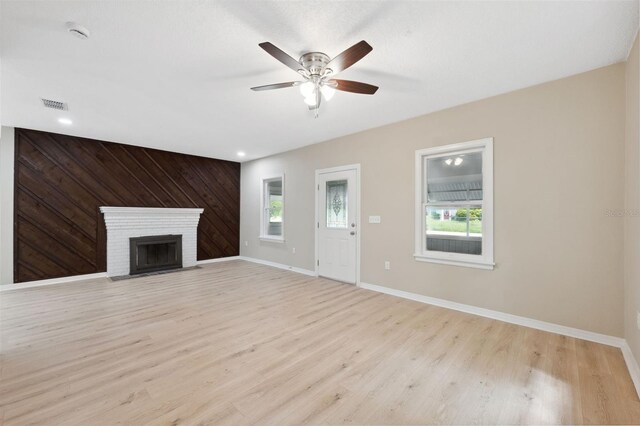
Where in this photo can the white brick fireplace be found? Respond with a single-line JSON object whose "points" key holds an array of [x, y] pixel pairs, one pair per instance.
{"points": [[127, 222]]}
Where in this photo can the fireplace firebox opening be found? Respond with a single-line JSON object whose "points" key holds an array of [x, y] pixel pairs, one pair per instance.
{"points": [[155, 253]]}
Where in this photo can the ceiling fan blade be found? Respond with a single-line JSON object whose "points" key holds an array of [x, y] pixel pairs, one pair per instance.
{"points": [[276, 86], [349, 57], [353, 86], [282, 57]]}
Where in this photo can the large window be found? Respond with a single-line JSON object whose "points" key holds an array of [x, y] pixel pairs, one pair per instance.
{"points": [[272, 221], [454, 204]]}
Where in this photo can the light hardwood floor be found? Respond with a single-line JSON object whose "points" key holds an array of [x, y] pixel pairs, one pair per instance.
{"points": [[239, 343]]}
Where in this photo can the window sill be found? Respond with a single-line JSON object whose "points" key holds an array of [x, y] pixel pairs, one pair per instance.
{"points": [[272, 239], [454, 262]]}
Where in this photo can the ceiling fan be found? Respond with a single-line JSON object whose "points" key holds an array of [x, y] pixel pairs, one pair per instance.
{"points": [[318, 70]]}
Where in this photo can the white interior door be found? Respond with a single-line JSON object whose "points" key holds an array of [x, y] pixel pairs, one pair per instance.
{"points": [[338, 225]]}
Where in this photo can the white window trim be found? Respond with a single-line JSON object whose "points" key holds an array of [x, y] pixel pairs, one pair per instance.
{"points": [[484, 261], [263, 229]]}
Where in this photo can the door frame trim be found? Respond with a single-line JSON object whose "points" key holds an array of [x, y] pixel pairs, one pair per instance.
{"points": [[344, 168]]}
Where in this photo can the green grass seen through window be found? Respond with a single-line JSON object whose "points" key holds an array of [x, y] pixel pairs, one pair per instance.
{"points": [[475, 226]]}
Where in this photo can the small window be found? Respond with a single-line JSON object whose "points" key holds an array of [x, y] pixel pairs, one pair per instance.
{"points": [[272, 223], [454, 204]]}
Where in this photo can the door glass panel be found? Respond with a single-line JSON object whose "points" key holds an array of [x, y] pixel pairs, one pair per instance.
{"points": [[337, 204]]}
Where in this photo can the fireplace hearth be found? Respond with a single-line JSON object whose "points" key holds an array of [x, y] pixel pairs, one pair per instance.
{"points": [[155, 253]]}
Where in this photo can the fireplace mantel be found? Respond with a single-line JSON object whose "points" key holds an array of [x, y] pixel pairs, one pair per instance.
{"points": [[123, 223]]}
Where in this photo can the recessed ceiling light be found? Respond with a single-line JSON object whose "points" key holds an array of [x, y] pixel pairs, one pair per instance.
{"points": [[448, 161], [65, 121], [458, 161], [241, 154]]}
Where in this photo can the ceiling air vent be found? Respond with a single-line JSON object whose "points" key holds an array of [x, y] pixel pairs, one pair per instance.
{"points": [[48, 103]]}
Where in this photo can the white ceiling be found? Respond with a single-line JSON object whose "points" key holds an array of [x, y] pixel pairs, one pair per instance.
{"points": [[175, 75]]}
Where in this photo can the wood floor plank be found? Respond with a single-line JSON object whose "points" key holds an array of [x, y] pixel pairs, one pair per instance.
{"points": [[241, 343]]}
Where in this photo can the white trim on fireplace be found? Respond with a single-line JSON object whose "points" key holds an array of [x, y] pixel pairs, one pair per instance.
{"points": [[150, 210]]}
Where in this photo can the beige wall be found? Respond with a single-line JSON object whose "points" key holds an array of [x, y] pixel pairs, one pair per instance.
{"points": [[558, 159], [632, 198]]}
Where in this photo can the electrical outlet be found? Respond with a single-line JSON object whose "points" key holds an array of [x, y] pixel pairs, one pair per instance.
{"points": [[246, 243], [293, 250], [374, 219], [387, 265]]}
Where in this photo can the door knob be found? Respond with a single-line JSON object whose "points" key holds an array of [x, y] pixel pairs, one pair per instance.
{"points": [[352, 232], [353, 225]]}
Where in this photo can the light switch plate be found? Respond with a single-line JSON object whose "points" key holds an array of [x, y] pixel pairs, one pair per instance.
{"points": [[374, 219]]}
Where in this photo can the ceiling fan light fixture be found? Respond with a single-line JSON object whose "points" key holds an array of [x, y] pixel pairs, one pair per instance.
{"points": [[307, 89], [327, 92], [310, 100]]}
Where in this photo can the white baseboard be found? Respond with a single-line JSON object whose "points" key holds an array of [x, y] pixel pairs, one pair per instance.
{"points": [[279, 265], [62, 280], [501, 316], [618, 342], [217, 260], [632, 365]]}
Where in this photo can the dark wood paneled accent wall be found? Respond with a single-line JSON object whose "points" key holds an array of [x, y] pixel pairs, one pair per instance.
{"points": [[61, 181]]}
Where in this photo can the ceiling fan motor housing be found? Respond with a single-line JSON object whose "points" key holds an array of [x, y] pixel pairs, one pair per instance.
{"points": [[314, 62]]}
